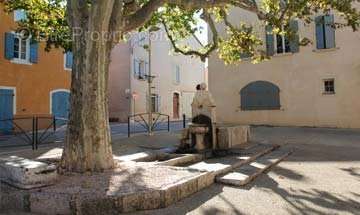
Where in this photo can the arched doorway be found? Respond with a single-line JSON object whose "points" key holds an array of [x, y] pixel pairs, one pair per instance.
{"points": [[176, 105], [60, 105]]}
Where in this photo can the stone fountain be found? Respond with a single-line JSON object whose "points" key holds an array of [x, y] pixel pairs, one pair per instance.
{"points": [[200, 137], [205, 134]]}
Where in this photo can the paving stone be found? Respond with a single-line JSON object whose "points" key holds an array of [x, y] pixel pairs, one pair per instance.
{"points": [[224, 165]]}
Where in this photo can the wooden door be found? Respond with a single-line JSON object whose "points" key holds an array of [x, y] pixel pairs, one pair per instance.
{"points": [[176, 106]]}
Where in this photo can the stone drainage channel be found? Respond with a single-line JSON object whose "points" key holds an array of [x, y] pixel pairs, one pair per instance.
{"points": [[142, 181]]}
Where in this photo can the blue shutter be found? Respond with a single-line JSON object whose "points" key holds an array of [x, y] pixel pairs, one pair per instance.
{"points": [[269, 41], [294, 40], [34, 46], [9, 46], [329, 31], [69, 60], [6, 110], [320, 40]]}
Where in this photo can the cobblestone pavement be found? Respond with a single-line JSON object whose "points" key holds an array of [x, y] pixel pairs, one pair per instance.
{"points": [[321, 177]]}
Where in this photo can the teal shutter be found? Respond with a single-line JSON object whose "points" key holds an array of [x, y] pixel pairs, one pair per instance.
{"points": [[329, 31], [320, 34], [269, 40], [34, 52], [294, 40], [9, 46], [69, 59]]}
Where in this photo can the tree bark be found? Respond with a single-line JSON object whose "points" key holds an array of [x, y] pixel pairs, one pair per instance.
{"points": [[88, 141]]}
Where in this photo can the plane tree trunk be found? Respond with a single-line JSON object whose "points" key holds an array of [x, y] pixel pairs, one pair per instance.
{"points": [[88, 141]]}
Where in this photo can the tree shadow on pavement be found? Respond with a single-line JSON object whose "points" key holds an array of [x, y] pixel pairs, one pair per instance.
{"points": [[307, 201], [354, 171]]}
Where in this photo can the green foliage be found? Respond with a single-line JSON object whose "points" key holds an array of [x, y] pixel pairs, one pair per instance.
{"points": [[46, 21]]}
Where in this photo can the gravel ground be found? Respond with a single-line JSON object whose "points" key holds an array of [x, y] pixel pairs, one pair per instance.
{"points": [[321, 177]]}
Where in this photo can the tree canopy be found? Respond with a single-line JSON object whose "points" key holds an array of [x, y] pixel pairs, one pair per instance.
{"points": [[47, 20]]}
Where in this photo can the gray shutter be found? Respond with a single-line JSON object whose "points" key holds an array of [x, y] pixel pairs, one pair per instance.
{"points": [[319, 25], [34, 46], [294, 40], [146, 69], [329, 31], [9, 46], [260, 95], [158, 104], [136, 69], [269, 41]]}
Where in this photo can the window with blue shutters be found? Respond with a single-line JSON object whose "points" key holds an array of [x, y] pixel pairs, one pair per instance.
{"points": [[325, 32], [20, 49], [155, 103], [140, 69], [260, 95], [69, 59], [282, 43]]}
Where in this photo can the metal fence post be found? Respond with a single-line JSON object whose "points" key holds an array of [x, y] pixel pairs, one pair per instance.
{"points": [[168, 123], [33, 133], [36, 132], [54, 122], [184, 121], [128, 126]]}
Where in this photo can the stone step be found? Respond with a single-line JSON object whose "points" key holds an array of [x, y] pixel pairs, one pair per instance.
{"points": [[246, 173], [223, 165]]}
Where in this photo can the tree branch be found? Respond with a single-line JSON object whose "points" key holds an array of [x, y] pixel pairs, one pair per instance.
{"points": [[144, 14], [210, 48]]}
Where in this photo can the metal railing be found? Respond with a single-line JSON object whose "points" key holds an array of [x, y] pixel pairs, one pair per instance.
{"points": [[31, 134], [140, 119]]}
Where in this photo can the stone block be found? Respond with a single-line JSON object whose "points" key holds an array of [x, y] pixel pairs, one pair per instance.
{"points": [[233, 136], [187, 188], [26, 174], [50, 203], [206, 180], [101, 205], [170, 195]]}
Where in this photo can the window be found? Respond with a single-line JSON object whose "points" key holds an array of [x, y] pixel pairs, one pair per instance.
{"points": [[260, 95], [19, 15], [176, 75], [329, 86], [141, 69], [68, 60], [155, 103], [19, 49], [283, 43], [325, 32]]}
